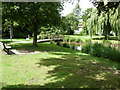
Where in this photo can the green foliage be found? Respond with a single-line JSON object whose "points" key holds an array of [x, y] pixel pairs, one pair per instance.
{"points": [[65, 45], [76, 39], [49, 32], [58, 43], [88, 40], [70, 24], [77, 11], [72, 39], [66, 39], [51, 42], [72, 46], [85, 16], [71, 21], [102, 51], [33, 15], [86, 49], [82, 33], [103, 20], [106, 41]]}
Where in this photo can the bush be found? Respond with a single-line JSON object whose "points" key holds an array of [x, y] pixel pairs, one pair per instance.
{"points": [[72, 46], [82, 33], [58, 43], [65, 45], [72, 39], [77, 40], [42, 36], [88, 40], [96, 49], [52, 42], [66, 39], [106, 41], [86, 49], [99, 50]]}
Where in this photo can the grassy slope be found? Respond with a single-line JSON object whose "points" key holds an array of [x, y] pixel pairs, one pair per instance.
{"points": [[62, 67], [0, 66]]}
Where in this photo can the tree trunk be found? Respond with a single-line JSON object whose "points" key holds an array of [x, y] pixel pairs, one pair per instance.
{"points": [[119, 35], [119, 23], [35, 38], [107, 28], [11, 30], [35, 35], [90, 33]]}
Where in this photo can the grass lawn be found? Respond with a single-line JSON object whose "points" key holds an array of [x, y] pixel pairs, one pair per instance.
{"points": [[57, 67], [13, 40], [99, 39]]}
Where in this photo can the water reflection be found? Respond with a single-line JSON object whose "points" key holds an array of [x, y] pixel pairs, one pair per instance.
{"points": [[78, 48]]}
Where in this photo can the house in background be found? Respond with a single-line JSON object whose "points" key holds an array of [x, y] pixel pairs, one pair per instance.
{"points": [[79, 30]]}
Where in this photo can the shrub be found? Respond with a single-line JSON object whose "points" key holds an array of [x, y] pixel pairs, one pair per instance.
{"points": [[66, 39], [58, 43], [86, 49], [65, 45], [52, 42], [102, 51], [82, 33], [106, 41], [77, 40], [88, 40], [72, 46], [96, 49], [72, 39]]}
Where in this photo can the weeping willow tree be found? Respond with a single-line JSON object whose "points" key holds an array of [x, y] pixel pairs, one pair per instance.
{"points": [[104, 22], [119, 22], [99, 24], [115, 22], [92, 23]]}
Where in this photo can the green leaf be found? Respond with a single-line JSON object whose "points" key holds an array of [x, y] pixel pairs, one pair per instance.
{"points": [[105, 2]]}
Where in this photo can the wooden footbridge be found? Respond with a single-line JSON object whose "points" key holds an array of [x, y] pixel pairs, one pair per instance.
{"points": [[7, 48], [48, 40]]}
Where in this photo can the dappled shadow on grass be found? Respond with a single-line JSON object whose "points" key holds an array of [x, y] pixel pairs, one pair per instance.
{"points": [[71, 69], [76, 71], [7, 42], [42, 47]]}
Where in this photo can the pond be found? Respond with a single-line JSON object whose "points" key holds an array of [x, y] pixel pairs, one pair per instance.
{"points": [[104, 50], [73, 45], [79, 46]]}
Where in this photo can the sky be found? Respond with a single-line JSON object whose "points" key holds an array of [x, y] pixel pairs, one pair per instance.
{"points": [[68, 7]]}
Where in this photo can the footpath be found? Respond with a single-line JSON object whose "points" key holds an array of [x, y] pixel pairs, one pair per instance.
{"points": [[14, 51]]}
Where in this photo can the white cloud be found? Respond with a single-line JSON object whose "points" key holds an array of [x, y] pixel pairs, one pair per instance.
{"points": [[68, 7], [85, 4]]}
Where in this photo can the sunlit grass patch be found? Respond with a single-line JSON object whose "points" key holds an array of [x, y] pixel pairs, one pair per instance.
{"points": [[60, 68]]}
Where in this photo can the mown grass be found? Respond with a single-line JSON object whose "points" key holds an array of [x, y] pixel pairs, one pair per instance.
{"points": [[14, 40], [0, 66], [57, 67], [99, 39]]}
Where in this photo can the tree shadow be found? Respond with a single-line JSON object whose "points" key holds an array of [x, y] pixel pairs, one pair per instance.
{"points": [[76, 71], [80, 71], [7, 42], [42, 47]]}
